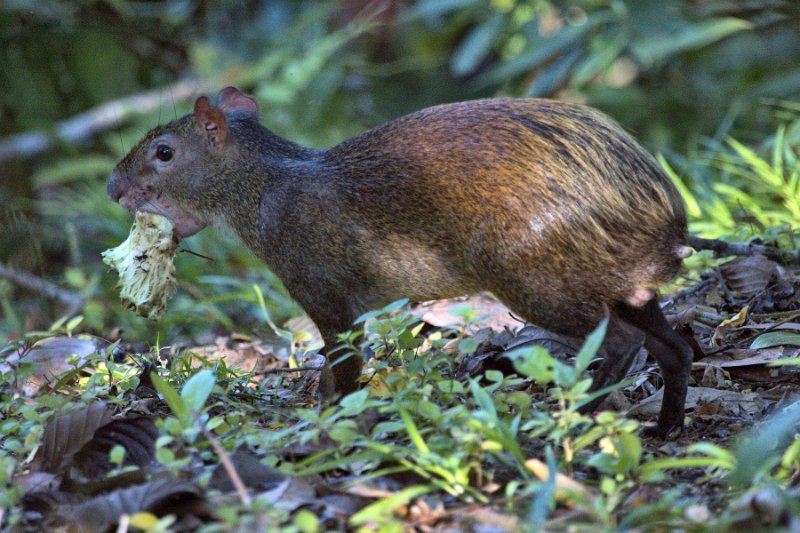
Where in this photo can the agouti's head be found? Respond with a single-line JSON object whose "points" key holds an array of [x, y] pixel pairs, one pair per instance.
{"points": [[175, 169]]}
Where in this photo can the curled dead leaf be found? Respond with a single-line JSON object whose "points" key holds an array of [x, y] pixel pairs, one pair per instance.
{"points": [[65, 434], [137, 436]]}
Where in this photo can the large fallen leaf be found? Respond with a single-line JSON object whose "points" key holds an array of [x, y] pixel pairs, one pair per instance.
{"points": [[66, 434], [739, 357], [488, 311], [748, 276], [159, 497], [253, 473], [137, 436], [776, 338], [50, 356], [729, 401]]}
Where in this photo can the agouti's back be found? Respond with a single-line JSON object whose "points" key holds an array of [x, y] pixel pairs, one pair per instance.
{"points": [[550, 206]]}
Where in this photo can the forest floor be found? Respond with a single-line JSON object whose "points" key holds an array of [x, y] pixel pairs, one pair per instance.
{"points": [[244, 447]]}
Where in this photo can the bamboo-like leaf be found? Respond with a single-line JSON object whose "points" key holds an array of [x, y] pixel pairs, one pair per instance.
{"points": [[775, 338], [651, 48], [692, 206], [476, 45]]}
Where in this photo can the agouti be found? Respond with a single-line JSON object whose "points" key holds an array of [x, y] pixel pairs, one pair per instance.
{"points": [[550, 206]]}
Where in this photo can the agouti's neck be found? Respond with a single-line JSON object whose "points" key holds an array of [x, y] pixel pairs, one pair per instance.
{"points": [[266, 164]]}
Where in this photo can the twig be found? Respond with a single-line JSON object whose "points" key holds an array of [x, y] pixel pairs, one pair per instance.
{"points": [[723, 248], [227, 464], [72, 301], [84, 126], [280, 370]]}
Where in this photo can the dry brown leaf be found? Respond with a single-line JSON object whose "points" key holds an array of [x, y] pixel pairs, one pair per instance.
{"points": [[136, 434], [765, 508], [728, 324], [748, 276], [254, 474], [66, 434], [293, 492], [566, 487], [50, 357], [159, 497], [730, 401], [489, 313], [743, 357]]}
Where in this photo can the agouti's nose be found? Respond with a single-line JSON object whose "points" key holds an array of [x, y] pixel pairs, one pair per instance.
{"points": [[115, 188]]}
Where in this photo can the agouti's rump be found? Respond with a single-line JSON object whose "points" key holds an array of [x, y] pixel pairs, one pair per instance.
{"points": [[550, 206]]}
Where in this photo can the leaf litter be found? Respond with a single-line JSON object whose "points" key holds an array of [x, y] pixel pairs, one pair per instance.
{"points": [[743, 318]]}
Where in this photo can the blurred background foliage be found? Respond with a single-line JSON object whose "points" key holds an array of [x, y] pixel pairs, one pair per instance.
{"points": [[711, 85]]}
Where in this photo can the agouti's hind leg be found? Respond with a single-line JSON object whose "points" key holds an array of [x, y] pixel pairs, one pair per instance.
{"points": [[673, 355], [621, 345]]}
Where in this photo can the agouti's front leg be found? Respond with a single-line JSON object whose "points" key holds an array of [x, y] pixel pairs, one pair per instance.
{"points": [[340, 373]]}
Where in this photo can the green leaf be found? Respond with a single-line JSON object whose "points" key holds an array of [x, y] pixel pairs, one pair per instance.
{"points": [[411, 429], [630, 450], [386, 506], [534, 362], [692, 207], [344, 431], [76, 168], [366, 316], [758, 452], [652, 48], [590, 346], [73, 323], [306, 521], [355, 400], [483, 399], [541, 50], [549, 79], [117, 454], [171, 396], [197, 389], [394, 306], [468, 345], [604, 51], [476, 45], [776, 338], [433, 8]]}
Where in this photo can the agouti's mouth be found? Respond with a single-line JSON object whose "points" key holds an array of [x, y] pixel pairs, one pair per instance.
{"points": [[138, 199], [186, 225]]}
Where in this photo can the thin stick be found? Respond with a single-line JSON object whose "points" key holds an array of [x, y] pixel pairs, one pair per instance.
{"points": [[723, 248], [229, 468], [84, 126], [72, 301]]}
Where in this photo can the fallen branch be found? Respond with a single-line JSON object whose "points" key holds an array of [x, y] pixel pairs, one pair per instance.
{"points": [[84, 126], [28, 281], [723, 248]]}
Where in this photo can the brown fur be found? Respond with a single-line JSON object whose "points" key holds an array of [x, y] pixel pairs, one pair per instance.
{"points": [[550, 206]]}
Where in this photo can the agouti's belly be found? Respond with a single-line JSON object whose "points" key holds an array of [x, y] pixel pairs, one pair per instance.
{"points": [[405, 268]]}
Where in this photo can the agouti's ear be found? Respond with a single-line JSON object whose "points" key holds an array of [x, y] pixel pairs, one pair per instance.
{"points": [[233, 100], [211, 122]]}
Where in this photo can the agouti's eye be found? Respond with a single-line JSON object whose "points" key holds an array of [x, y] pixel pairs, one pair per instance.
{"points": [[163, 152]]}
